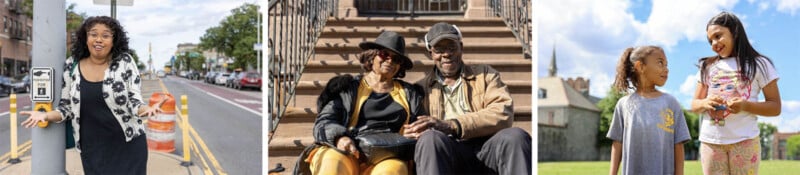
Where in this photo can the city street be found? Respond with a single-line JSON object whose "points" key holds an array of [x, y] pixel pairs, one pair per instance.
{"points": [[228, 121], [225, 125]]}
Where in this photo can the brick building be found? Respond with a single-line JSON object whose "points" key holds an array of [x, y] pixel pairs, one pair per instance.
{"points": [[15, 39]]}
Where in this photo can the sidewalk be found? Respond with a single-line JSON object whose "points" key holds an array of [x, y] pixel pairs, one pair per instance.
{"points": [[157, 162]]}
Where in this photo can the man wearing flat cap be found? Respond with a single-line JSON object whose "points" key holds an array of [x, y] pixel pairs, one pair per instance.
{"points": [[471, 112]]}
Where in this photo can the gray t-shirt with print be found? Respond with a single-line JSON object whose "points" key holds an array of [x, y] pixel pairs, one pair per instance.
{"points": [[648, 128]]}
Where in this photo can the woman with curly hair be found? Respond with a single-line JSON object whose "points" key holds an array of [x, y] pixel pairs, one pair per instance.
{"points": [[102, 96]]}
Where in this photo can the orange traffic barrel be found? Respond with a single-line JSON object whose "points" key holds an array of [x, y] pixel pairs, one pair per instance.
{"points": [[161, 127]]}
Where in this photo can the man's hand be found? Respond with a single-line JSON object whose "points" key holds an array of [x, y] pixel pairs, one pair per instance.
{"points": [[426, 122], [346, 143]]}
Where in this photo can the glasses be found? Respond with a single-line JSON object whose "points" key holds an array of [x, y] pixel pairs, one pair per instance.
{"points": [[441, 50], [104, 36], [387, 55]]}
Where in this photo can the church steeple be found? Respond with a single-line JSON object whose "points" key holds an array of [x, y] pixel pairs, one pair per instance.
{"points": [[553, 68]]}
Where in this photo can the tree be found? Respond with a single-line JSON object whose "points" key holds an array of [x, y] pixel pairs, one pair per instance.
{"points": [[607, 106], [191, 60], [135, 56], [793, 147], [692, 147], [74, 21], [235, 36], [765, 134]]}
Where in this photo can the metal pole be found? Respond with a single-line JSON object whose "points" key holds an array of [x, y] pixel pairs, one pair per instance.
{"points": [[49, 48], [114, 9]]}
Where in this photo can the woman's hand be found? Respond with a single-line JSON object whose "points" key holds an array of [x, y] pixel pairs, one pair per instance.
{"points": [[346, 143], [34, 117], [149, 112]]}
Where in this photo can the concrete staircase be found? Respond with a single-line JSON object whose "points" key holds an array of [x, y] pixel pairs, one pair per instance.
{"points": [[486, 41]]}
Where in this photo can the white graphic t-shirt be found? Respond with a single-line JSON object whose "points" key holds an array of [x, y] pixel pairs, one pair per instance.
{"points": [[724, 81]]}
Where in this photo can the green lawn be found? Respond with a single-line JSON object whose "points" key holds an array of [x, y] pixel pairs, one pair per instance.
{"points": [[769, 167]]}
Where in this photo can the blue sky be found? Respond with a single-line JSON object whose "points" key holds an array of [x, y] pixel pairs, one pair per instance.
{"points": [[165, 23], [590, 36]]}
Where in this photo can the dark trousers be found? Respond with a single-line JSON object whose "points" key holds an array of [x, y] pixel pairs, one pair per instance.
{"points": [[506, 152]]}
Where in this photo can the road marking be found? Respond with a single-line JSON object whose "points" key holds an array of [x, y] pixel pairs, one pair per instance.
{"points": [[245, 101], [228, 101], [22, 149], [198, 140]]}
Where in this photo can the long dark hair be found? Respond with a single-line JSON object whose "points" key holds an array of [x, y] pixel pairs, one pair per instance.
{"points": [[746, 55], [120, 42], [627, 78]]}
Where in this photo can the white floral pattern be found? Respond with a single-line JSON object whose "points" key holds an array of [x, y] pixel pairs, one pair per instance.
{"points": [[121, 91]]}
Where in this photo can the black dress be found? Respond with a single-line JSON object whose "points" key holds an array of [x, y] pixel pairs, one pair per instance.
{"points": [[103, 146]]}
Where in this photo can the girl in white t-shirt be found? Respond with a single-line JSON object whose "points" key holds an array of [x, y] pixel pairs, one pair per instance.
{"points": [[727, 99]]}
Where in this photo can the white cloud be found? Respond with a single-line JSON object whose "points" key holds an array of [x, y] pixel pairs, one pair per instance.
{"points": [[591, 35], [763, 6], [688, 86], [674, 20], [165, 23], [788, 6]]}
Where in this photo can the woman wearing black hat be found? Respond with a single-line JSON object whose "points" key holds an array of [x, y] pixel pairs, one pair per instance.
{"points": [[350, 108]]}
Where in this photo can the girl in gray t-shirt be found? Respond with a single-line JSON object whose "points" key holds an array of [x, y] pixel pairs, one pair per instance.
{"points": [[648, 127]]}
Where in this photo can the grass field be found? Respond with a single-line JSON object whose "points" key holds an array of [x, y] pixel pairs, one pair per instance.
{"points": [[768, 167]]}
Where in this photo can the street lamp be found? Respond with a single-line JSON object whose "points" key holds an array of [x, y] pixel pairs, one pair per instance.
{"points": [[114, 4]]}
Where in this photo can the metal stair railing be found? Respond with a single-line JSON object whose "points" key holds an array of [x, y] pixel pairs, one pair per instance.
{"points": [[411, 7], [517, 16], [295, 27]]}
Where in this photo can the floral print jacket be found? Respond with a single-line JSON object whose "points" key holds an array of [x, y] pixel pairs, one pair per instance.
{"points": [[121, 90]]}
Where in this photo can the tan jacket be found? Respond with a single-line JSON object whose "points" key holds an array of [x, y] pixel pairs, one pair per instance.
{"points": [[487, 96]]}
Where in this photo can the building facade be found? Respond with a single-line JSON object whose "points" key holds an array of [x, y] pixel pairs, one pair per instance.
{"points": [[15, 39], [779, 145]]}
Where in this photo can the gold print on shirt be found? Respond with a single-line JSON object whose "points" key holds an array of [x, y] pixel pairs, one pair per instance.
{"points": [[669, 120]]}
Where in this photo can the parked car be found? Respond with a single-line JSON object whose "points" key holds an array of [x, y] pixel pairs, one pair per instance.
{"points": [[193, 75], [23, 85], [210, 77], [249, 79], [161, 74], [221, 78], [229, 81], [7, 85]]}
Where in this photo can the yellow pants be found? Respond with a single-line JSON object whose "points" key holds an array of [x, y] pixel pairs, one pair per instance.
{"points": [[325, 160]]}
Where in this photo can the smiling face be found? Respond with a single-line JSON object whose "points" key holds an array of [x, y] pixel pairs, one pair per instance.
{"points": [[447, 56], [721, 40], [386, 63], [100, 40], [654, 68]]}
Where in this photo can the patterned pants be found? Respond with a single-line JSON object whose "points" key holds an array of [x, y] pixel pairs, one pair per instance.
{"points": [[734, 159]]}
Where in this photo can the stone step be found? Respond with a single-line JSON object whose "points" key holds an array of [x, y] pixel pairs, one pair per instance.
{"points": [[412, 21], [467, 55], [420, 39], [412, 31], [340, 48]]}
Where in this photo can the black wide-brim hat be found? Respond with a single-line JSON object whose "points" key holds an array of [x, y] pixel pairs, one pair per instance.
{"points": [[390, 41]]}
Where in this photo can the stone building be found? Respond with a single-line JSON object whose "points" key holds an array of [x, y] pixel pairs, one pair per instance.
{"points": [[568, 118]]}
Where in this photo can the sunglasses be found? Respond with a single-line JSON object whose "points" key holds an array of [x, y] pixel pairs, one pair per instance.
{"points": [[386, 55]]}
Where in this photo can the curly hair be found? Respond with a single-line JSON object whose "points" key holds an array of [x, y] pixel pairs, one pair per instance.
{"points": [[366, 57], [80, 49], [627, 78]]}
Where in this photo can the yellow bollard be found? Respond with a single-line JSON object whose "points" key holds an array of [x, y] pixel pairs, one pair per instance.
{"points": [[185, 129], [12, 111]]}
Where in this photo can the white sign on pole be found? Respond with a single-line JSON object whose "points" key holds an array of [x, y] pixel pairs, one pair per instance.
{"points": [[42, 84]]}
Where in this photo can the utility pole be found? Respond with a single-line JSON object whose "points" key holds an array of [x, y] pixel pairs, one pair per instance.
{"points": [[49, 48]]}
